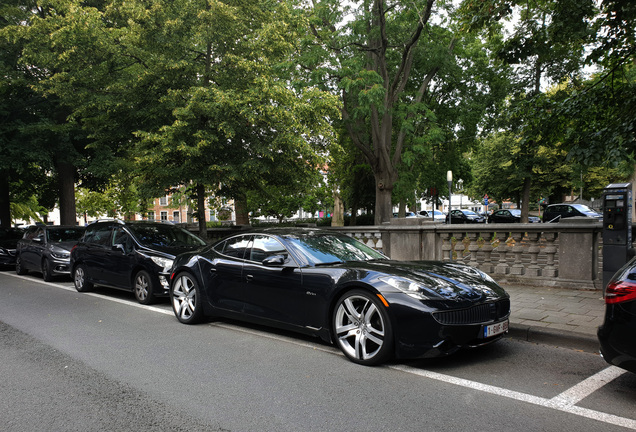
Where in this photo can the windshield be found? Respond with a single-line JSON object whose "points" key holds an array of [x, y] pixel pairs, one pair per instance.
{"points": [[164, 235], [515, 212], [583, 208], [329, 248], [58, 235], [469, 212]]}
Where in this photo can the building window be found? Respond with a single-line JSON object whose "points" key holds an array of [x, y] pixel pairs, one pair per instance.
{"points": [[212, 215], [163, 201], [164, 215], [151, 215], [175, 216]]}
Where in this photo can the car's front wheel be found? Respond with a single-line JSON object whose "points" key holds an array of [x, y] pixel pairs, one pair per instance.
{"points": [[143, 288], [47, 274], [80, 279], [186, 299], [19, 266], [362, 328]]}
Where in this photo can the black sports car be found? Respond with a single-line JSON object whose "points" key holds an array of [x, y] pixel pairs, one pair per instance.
{"points": [[330, 285], [617, 334]]}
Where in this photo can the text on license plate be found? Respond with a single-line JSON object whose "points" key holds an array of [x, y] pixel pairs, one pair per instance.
{"points": [[495, 329]]}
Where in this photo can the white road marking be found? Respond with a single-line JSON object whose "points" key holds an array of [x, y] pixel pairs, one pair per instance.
{"points": [[565, 401], [554, 403]]}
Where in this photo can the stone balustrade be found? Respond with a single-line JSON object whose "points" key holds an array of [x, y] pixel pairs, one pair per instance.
{"points": [[565, 254]]}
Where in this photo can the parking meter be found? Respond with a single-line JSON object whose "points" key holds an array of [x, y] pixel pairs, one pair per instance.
{"points": [[617, 228]]}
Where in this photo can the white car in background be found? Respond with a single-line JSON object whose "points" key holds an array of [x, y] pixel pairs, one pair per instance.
{"points": [[437, 215]]}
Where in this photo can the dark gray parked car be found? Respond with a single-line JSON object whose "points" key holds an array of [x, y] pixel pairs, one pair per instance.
{"points": [[47, 249], [556, 212]]}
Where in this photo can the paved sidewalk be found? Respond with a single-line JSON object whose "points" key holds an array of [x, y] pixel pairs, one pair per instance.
{"points": [[556, 316]]}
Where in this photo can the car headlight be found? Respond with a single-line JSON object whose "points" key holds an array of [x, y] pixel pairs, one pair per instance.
{"points": [[60, 254], [164, 263], [407, 286]]}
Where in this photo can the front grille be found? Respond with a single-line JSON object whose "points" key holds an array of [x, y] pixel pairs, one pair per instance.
{"points": [[479, 314]]}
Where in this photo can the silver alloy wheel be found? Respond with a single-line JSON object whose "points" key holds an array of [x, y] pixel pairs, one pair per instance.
{"points": [[359, 327], [79, 278], [184, 296], [141, 287]]}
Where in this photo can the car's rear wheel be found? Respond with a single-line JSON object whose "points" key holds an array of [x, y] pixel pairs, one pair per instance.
{"points": [[186, 299], [80, 279], [19, 266], [47, 274], [143, 288], [362, 328]]}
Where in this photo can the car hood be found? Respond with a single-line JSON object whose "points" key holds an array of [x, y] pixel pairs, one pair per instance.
{"points": [[9, 243], [440, 280], [66, 245]]}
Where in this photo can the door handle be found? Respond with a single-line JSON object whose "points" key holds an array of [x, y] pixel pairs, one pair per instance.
{"points": [[249, 277]]}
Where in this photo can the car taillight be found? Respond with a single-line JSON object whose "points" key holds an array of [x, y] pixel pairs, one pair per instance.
{"points": [[620, 291]]}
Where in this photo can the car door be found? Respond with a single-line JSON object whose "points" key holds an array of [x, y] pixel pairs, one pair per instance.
{"points": [[35, 249], [119, 259], [93, 254], [221, 271], [26, 248], [273, 291]]}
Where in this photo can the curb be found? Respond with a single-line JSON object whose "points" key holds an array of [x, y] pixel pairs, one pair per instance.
{"points": [[579, 341]]}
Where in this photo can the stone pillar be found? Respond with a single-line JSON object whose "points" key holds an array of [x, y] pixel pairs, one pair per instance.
{"points": [[578, 251]]}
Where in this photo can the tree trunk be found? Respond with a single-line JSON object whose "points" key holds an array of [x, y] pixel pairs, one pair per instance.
{"points": [[203, 228], [525, 199], [240, 208], [5, 204], [383, 205], [66, 185], [338, 210]]}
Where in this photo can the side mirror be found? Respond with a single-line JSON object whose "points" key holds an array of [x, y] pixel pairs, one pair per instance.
{"points": [[119, 247], [274, 261], [38, 239]]}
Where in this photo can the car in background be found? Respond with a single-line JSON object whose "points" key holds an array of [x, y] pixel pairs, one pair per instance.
{"points": [[465, 217], [406, 215], [617, 334], [130, 255], [9, 238], [509, 216], [332, 286], [47, 249], [556, 212], [436, 215]]}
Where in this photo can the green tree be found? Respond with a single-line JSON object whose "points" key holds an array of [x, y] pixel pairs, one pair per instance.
{"points": [[399, 69]]}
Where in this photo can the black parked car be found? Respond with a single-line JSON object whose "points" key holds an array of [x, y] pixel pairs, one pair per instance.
{"points": [[133, 255], [464, 217], [617, 334], [47, 249], [330, 285], [509, 216], [8, 243], [556, 212]]}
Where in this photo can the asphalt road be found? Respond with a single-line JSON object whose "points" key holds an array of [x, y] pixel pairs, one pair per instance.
{"points": [[99, 361]]}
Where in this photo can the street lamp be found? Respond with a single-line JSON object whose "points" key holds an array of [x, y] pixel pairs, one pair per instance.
{"points": [[449, 179], [460, 186]]}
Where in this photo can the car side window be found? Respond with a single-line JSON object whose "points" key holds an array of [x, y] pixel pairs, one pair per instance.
{"points": [[121, 237], [264, 246], [235, 247], [99, 234]]}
